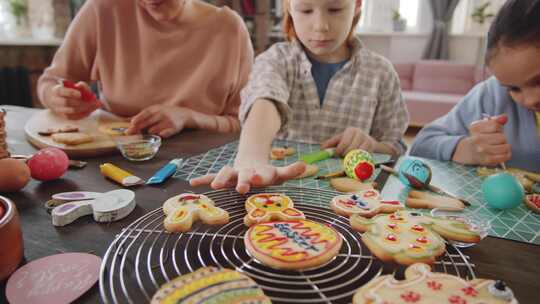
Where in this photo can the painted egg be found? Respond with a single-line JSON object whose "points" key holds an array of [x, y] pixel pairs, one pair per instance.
{"points": [[48, 164], [414, 173], [502, 191], [359, 164], [14, 175]]}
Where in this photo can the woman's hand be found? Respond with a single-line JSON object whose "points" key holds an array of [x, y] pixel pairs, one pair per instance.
{"points": [[162, 120], [243, 177], [68, 102], [351, 138]]}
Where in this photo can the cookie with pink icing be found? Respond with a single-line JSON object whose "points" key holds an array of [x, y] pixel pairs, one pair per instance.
{"points": [[366, 203], [423, 286], [184, 209], [295, 245], [264, 207], [408, 237]]}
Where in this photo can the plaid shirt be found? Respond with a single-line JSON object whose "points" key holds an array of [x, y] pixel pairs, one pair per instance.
{"points": [[365, 94]]}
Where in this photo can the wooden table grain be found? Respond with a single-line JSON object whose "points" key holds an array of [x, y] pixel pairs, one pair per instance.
{"points": [[515, 262]]}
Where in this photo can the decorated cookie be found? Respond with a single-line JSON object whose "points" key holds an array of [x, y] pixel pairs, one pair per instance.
{"points": [[422, 199], [116, 128], [279, 153], [211, 285], [182, 210], [347, 184], [533, 202], [296, 245], [423, 286], [72, 139], [264, 207], [366, 203], [408, 237], [359, 164]]}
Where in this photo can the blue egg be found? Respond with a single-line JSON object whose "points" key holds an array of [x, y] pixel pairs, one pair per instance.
{"points": [[414, 173], [502, 191]]}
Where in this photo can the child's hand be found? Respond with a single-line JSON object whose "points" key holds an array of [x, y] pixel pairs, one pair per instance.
{"points": [[162, 120], [351, 138], [69, 102], [486, 144], [243, 177]]}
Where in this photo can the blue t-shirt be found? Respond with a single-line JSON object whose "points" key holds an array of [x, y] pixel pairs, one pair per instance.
{"points": [[322, 73]]}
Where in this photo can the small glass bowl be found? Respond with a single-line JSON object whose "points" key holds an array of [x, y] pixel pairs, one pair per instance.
{"points": [[479, 226], [138, 147]]}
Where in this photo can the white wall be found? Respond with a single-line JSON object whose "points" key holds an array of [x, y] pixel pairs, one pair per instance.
{"points": [[466, 40]]}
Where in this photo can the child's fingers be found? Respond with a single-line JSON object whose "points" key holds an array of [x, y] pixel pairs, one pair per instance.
{"points": [[291, 171], [202, 180], [492, 139], [225, 174], [356, 142], [493, 160], [345, 141], [332, 142], [498, 149], [486, 126], [244, 178]]}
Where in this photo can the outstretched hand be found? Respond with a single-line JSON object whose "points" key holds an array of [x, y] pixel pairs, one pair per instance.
{"points": [[244, 177]]}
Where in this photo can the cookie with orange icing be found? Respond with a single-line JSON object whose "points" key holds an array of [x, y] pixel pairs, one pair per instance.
{"points": [[366, 203], [264, 207], [408, 237], [292, 245], [423, 286], [182, 210], [211, 285]]}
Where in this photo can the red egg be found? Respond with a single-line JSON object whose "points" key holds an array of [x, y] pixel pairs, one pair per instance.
{"points": [[48, 164]]}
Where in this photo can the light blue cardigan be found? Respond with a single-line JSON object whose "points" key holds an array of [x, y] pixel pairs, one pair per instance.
{"points": [[439, 139]]}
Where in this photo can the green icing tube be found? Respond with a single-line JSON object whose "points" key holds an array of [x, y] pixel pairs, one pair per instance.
{"points": [[317, 156]]}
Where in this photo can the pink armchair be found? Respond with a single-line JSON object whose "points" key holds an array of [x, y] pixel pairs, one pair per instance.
{"points": [[431, 88]]}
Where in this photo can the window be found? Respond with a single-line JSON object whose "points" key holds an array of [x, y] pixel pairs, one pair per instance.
{"points": [[409, 11]]}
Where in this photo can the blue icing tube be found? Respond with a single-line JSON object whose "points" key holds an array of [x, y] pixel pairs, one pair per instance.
{"points": [[165, 172]]}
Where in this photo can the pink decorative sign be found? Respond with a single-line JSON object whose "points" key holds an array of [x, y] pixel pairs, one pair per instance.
{"points": [[58, 279]]}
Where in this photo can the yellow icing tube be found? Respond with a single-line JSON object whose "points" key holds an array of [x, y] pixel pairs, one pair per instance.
{"points": [[120, 176]]}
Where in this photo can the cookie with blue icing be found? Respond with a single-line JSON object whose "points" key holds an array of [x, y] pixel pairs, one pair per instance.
{"points": [[367, 203]]}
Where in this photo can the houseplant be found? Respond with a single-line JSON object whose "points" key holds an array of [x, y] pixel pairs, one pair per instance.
{"points": [[19, 10], [399, 23]]}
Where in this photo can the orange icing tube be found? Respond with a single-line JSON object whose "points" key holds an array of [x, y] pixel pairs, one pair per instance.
{"points": [[120, 176]]}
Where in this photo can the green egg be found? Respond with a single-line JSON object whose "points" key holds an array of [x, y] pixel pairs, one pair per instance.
{"points": [[502, 191]]}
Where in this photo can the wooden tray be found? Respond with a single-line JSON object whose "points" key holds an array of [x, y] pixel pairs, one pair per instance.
{"points": [[101, 145]]}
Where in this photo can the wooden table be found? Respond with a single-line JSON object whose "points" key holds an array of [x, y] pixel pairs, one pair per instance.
{"points": [[515, 262]]}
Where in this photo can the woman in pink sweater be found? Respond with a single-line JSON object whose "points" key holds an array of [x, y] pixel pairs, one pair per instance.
{"points": [[168, 64]]}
